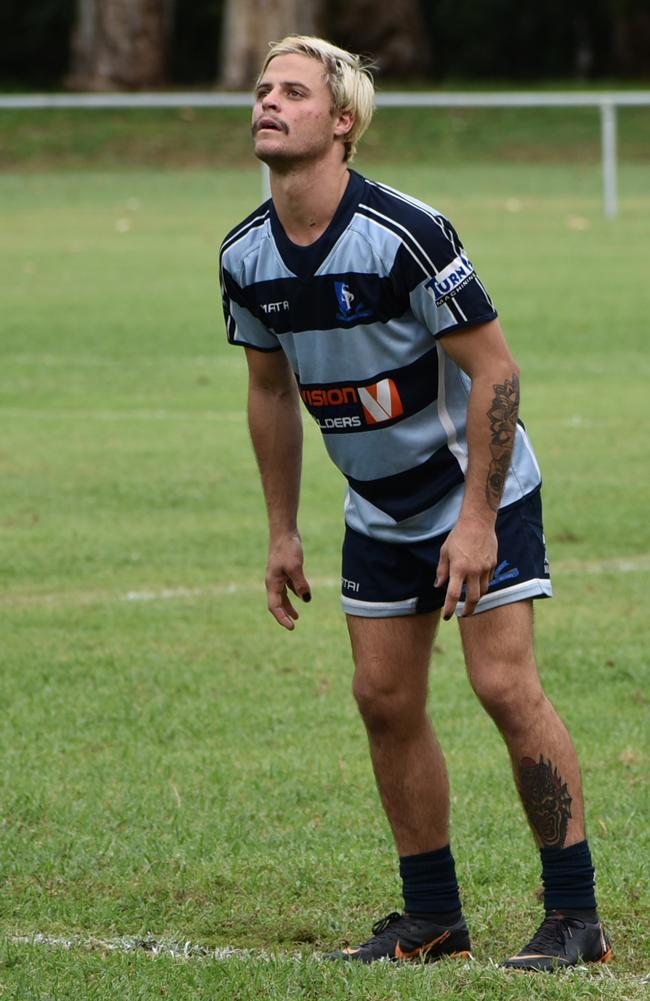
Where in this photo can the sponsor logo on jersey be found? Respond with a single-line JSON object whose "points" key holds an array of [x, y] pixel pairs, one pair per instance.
{"points": [[365, 405], [448, 282], [381, 402], [349, 306], [338, 423]]}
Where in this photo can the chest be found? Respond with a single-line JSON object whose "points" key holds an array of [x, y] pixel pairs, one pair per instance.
{"points": [[325, 302]]}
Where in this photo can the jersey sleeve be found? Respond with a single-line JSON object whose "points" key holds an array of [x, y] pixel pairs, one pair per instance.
{"points": [[445, 292], [241, 326]]}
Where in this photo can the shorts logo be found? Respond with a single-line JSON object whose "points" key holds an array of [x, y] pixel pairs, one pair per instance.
{"points": [[349, 308], [381, 402], [448, 282], [502, 574]]}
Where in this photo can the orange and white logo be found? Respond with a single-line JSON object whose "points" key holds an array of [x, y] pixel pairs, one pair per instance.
{"points": [[380, 402]]}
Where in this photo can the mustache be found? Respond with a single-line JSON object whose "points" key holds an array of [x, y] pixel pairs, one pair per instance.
{"points": [[256, 125]]}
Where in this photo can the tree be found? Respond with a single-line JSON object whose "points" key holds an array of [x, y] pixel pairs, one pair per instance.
{"points": [[120, 44], [249, 26], [394, 34]]}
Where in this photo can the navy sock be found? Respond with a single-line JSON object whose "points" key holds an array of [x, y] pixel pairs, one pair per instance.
{"points": [[568, 878], [430, 886]]}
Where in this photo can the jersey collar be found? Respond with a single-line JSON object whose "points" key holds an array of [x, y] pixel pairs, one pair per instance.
{"points": [[305, 261]]}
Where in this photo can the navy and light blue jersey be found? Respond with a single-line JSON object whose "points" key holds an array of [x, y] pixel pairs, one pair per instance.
{"points": [[360, 315]]}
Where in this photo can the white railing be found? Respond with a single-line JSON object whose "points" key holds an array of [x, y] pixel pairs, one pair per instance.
{"points": [[607, 102]]}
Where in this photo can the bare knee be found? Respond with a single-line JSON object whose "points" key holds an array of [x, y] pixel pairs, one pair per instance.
{"points": [[510, 695], [387, 708]]}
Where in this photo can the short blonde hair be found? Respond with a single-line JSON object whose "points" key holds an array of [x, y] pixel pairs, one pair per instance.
{"points": [[348, 76]]}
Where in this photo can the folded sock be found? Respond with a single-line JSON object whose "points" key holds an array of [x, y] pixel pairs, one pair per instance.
{"points": [[429, 883], [568, 878]]}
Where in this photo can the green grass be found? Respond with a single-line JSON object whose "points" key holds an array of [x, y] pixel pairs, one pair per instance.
{"points": [[180, 767]]}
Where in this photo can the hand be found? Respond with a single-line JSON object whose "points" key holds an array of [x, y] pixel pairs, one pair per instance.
{"points": [[284, 570], [469, 555]]}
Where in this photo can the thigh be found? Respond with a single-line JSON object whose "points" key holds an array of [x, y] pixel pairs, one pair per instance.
{"points": [[392, 654], [522, 570], [499, 643], [389, 580]]}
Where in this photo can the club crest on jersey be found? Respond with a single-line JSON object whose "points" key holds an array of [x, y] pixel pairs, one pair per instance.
{"points": [[448, 282], [349, 306]]}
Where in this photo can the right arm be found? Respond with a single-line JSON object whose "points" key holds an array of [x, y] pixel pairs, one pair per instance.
{"points": [[276, 432]]}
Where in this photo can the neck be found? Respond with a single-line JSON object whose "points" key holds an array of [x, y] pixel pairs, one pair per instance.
{"points": [[307, 197]]}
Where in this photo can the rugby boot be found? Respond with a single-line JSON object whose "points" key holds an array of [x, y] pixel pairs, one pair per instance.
{"points": [[403, 937], [562, 940]]}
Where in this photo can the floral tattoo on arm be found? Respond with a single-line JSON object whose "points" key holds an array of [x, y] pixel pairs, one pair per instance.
{"points": [[503, 424]]}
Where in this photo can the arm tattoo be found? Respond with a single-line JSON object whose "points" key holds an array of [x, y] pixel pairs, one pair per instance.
{"points": [[546, 800], [503, 423]]}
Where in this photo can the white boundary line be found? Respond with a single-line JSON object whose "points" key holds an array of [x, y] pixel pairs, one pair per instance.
{"points": [[148, 944], [615, 565], [190, 950], [198, 416]]}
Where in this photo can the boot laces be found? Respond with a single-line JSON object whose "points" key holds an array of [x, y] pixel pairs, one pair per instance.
{"points": [[553, 931], [386, 924]]}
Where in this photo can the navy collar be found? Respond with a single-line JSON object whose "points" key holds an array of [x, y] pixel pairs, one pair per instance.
{"points": [[305, 261]]}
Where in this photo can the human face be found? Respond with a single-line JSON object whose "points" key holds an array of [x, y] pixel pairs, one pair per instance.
{"points": [[293, 119]]}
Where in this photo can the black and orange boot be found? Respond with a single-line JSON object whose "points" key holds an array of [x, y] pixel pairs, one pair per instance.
{"points": [[562, 940], [404, 937]]}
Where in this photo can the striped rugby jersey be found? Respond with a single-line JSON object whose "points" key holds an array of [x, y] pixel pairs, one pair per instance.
{"points": [[359, 314]]}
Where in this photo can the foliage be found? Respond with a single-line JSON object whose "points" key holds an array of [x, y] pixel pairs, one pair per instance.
{"points": [[491, 40], [34, 41]]}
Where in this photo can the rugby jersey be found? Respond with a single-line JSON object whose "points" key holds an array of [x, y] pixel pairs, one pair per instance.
{"points": [[359, 314]]}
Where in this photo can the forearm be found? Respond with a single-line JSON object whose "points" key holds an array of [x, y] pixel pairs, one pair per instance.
{"points": [[491, 426], [276, 432]]}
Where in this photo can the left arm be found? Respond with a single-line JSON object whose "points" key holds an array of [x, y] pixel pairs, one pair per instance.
{"points": [[469, 555]]}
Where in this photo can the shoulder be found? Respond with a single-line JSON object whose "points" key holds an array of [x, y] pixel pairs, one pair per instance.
{"points": [[423, 229], [245, 235]]}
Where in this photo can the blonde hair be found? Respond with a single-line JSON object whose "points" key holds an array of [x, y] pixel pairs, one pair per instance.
{"points": [[347, 75]]}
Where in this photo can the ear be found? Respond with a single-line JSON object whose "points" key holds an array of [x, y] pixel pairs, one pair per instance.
{"points": [[343, 123]]}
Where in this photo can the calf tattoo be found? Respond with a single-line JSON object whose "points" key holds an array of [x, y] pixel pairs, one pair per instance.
{"points": [[503, 424], [546, 800]]}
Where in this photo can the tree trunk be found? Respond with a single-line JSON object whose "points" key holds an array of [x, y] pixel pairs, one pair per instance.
{"points": [[120, 44], [249, 26], [632, 40]]}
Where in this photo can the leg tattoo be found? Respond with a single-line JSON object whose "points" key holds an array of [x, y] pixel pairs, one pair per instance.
{"points": [[546, 800]]}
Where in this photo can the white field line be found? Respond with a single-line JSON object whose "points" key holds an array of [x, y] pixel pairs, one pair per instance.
{"points": [[148, 944], [238, 416], [190, 950], [616, 565]]}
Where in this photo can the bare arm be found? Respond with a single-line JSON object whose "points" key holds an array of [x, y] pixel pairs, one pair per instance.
{"points": [[469, 555], [276, 431]]}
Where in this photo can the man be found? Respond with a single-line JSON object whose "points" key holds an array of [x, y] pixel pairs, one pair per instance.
{"points": [[362, 301]]}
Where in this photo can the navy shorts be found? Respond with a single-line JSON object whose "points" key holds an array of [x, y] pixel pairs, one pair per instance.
{"points": [[382, 579]]}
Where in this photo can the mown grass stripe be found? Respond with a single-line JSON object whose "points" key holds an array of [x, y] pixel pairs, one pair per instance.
{"points": [[616, 565]]}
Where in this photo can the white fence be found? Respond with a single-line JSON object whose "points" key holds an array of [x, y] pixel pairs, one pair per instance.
{"points": [[607, 102]]}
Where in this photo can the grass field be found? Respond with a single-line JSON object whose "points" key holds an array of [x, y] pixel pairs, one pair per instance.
{"points": [[176, 768]]}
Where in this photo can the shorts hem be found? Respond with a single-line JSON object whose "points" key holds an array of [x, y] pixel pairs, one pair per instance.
{"points": [[538, 587], [378, 609]]}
